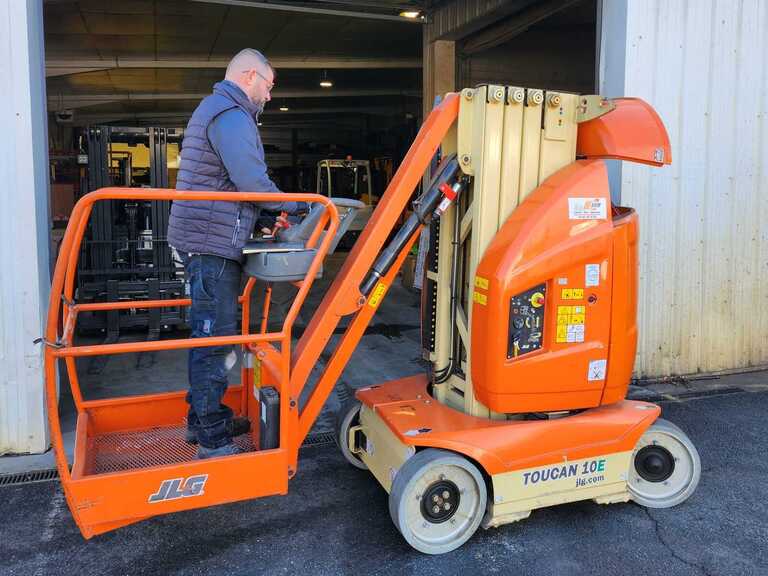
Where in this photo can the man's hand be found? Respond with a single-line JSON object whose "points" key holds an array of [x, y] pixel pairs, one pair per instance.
{"points": [[280, 224]]}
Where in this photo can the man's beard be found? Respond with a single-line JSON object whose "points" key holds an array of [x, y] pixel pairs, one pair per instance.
{"points": [[257, 105]]}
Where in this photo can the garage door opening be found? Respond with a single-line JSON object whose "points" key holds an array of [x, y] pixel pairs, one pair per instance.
{"points": [[122, 80]]}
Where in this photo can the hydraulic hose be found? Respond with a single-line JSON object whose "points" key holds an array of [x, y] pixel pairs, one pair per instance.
{"points": [[442, 190]]}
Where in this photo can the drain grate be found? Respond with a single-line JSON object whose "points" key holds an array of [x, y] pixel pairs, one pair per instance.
{"points": [[319, 439], [29, 477]]}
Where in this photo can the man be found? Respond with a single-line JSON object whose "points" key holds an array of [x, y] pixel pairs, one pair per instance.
{"points": [[221, 150]]}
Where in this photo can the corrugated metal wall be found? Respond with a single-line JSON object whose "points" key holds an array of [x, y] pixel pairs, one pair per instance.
{"points": [[703, 65], [461, 17]]}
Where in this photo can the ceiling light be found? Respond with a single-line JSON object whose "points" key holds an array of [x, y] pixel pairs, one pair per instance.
{"points": [[283, 108], [412, 14], [326, 83]]}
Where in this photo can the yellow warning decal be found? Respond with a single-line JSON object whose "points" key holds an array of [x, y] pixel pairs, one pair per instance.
{"points": [[481, 282], [480, 298], [377, 295], [570, 322], [572, 294], [256, 375]]}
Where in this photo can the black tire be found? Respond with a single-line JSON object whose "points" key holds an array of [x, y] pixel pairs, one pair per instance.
{"points": [[348, 416]]}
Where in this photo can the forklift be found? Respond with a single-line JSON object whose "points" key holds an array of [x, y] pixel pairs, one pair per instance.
{"points": [[529, 330], [348, 178], [125, 254]]}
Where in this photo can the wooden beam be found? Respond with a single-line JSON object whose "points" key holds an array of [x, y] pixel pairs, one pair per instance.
{"points": [[439, 72]]}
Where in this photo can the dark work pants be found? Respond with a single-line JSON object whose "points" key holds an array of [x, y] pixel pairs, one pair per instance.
{"points": [[214, 284]]}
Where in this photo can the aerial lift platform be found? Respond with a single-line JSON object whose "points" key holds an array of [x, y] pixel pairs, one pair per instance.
{"points": [[529, 328]]}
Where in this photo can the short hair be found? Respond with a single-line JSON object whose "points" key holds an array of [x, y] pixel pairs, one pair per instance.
{"points": [[245, 59]]}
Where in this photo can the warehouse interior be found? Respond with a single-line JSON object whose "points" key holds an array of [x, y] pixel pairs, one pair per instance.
{"points": [[354, 80]]}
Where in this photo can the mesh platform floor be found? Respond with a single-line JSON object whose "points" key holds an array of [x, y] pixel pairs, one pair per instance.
{"points": [[144, 448]]}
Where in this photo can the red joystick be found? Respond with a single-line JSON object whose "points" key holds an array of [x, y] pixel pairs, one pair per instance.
{"points": [[281, 223]]}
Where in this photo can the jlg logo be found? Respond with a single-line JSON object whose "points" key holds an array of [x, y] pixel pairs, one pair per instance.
{"points": [[179, 488]]}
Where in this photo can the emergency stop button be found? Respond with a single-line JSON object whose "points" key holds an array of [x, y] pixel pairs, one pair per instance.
{"points": [[537, 300]]}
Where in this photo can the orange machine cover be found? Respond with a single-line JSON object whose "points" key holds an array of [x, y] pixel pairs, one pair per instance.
{"points": [[557, 251], [632, 131]]}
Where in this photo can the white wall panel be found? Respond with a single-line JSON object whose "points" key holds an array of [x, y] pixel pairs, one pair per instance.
{"points": [[703, 65], [24, 228]]}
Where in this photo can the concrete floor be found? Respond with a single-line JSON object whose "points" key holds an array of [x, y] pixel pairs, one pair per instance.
{"points": [[720, 530], [335, 521]]}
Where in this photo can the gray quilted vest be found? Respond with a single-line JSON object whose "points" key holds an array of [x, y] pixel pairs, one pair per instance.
{"points": [[207, 227]]}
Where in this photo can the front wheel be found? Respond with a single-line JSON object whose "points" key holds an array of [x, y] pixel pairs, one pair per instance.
{"points": [[665, 467], [437, 500]]}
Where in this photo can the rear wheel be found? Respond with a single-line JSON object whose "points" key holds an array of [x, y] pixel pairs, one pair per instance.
{"points": [[437, 501], [348, 416], [665, 467]]}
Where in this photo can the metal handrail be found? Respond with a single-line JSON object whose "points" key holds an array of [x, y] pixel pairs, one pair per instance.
{"points": [[62, 289]]}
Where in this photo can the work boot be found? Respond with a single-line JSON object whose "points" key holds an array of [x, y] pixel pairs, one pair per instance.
{"points": [[226, 450], [236, 426]]}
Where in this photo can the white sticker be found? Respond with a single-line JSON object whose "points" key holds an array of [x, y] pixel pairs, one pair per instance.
{"points": [[592, 275], [587, 208], [562, 281], [575, 333], [596, 370]]}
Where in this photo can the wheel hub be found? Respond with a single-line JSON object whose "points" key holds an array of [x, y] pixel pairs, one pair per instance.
{"points": [[440, 501], [654, 463]]}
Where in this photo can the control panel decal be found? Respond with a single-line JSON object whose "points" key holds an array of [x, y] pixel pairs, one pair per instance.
{"points": [[526, 321]]}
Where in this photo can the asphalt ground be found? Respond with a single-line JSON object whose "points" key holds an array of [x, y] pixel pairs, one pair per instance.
{"points": [[335, 520]]}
